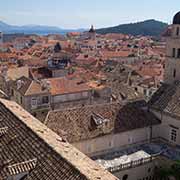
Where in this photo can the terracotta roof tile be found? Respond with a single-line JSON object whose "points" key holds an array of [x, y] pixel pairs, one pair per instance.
{"points": [[167, 99], [28, 139], [65, 86], [77, 122], [115, 54], [29, 87]]}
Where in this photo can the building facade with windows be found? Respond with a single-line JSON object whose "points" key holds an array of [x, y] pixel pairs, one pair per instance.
{"points": [[172, 67], [31, 95], [38, 97], [109, 134], [166, 101]]}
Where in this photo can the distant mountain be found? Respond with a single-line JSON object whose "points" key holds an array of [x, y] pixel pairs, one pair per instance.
{"points": [[35, 29], [147, 28]]}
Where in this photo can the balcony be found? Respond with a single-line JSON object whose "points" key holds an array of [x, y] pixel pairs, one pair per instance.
{"points": [[133, 164]]}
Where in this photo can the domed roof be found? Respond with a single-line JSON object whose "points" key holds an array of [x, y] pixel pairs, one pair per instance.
{"points": [[57, 48], [176, 19], [92, 30]]}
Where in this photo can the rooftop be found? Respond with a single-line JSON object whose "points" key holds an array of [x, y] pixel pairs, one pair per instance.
{"points": [[82, 123], [66, 86], [167, 99], [15, 73], [35, 149], [26, 86], [115, 54]]}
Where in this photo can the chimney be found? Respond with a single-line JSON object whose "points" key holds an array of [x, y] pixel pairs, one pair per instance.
{"points": [[45, 85], [19, 84]]}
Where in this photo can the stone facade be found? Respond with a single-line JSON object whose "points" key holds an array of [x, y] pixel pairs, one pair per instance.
{"points": [[172, 67], [99, 145], [168, 125]]}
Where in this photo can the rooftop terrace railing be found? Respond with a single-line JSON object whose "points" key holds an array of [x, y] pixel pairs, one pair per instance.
{"points": [[132, 164]]}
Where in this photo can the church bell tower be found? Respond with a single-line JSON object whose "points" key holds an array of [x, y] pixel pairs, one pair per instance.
{"points": [[172, 65]]}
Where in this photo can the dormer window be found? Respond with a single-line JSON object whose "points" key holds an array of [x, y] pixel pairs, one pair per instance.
{"points": [[20, 170], [98, 120], [19, 84]]}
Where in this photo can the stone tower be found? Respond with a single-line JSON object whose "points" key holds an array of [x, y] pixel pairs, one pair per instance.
{"points": [[92, 33], [172, 66]]}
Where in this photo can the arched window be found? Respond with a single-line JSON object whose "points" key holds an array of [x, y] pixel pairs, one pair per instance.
{"points": [[125, 177], [177, 31]]}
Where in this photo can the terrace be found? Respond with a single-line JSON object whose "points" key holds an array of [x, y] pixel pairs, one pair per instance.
{"points": [[136, 155]]}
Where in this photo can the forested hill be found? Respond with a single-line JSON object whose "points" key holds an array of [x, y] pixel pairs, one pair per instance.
{"points": [[147, 28]]}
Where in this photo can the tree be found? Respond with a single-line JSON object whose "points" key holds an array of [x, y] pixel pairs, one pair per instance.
{"points": [[168, 172]]}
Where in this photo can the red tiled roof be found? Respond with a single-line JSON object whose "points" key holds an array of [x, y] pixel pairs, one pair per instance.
{"points": [[66, 86], [114, 54], [77, 122]]}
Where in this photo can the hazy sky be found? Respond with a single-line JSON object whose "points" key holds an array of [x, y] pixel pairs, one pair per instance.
{"points": [[83, 13]]}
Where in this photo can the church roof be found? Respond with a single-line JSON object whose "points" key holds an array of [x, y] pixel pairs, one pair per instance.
{"points": [[92, 30], [176, 19], [57, 47]]}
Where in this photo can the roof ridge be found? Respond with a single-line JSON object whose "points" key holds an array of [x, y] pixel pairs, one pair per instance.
{"points": [[86, 106], [28, 88], [46, 119]]}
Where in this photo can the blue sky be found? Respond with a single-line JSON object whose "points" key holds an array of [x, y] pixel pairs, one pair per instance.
{"points": [[83, 13]]}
